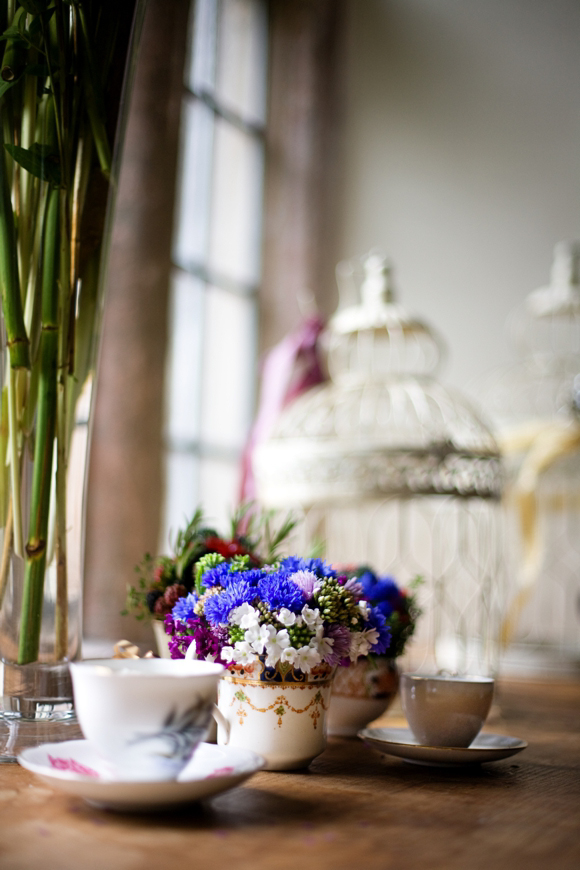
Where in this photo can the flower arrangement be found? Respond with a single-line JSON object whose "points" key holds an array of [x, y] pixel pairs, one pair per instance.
{"points": [[165, 580], [398, 606], [295, 613]]}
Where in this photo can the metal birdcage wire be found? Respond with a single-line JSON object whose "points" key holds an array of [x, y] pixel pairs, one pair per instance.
{"points": [[533, 404], [390, 468]]}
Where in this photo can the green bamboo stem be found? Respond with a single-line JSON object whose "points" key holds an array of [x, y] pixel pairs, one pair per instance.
{"points": [[58, 22], [27, 128], [31, 616], [14, 455], [4, 475], [14, 59], [34, 290], [55, 100], [80, 184], [6, 551], [61, 611], [94, 95], [17, 339]]}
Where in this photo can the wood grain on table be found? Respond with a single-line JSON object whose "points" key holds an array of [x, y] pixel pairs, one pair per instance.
{"points": [[351, 809]]}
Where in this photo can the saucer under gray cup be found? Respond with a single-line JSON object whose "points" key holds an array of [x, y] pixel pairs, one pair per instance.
{"points": [[446, 711]]}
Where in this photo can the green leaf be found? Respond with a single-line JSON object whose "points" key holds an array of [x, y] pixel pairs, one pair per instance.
{"points": [[39, 160], [34, 7], [35, 26], [36, 69], [4, 86], [13, 33]]}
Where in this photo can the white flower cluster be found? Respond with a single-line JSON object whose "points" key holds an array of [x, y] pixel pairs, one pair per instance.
{"points": [[275, 643]]}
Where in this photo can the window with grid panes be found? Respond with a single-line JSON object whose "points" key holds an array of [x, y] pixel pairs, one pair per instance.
{"points": [[211, 363]]}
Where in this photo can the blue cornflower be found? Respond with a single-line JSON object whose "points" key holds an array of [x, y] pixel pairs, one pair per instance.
{"points": [[216, 576], [378, 621], [317, 566], [218, 608], [382, 592], [251, 577], [278, 591], [183, 608]]}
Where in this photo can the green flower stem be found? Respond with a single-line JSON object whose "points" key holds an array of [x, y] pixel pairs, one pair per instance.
{"points": [[31, 616]]}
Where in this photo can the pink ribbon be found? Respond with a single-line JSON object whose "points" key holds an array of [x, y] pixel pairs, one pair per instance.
{"points": [[288, 370]]}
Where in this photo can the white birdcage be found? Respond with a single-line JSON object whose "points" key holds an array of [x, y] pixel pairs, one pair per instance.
{"points": [[392, 469], [535, 407]]}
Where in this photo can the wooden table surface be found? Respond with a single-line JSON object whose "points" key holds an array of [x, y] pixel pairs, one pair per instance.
{"points": [[352, 808]]}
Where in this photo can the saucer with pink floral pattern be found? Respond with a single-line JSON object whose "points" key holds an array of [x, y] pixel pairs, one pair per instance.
{"points": [[76, 768]]}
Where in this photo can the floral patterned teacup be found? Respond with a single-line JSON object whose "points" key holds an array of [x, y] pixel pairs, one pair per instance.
{"points": [[145, 716], [278, 712]]}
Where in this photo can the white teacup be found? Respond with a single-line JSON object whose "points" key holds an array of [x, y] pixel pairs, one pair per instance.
{"points": [[446, 710], [145, 716]]}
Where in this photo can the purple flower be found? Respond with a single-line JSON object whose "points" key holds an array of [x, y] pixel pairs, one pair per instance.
{"points": [[178, 646], [355, 587], [169, 625], [341, 647], [305, 580], [208, 640]]}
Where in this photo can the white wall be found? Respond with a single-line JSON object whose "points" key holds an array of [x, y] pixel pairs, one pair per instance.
{"points": [[461, 156]]}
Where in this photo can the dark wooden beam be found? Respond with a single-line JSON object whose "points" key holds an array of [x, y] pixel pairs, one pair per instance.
{"points": [[126, 476], [305, 95]]}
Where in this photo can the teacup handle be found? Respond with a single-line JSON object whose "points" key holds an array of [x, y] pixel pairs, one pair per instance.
{"points": [[222, 722], [190, 654]]}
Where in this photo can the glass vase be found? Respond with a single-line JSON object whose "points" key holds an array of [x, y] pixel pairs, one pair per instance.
{"points": [[56, 201]]}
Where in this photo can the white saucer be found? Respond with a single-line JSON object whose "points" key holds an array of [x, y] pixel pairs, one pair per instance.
{"points": [[400, 742], [76, 768]]}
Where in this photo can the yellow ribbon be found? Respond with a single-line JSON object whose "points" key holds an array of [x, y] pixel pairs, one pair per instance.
{"points": [[543, 444]]}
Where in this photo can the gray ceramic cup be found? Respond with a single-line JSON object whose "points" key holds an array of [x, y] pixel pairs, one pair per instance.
{"points": [[446, 710]]}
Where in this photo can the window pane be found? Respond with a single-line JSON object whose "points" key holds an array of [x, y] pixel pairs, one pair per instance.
{"points": [[241, 58], [236, 204], [181, 495], [228, 368], [194, 189], [184, 358], [218, 488], [201, 74]]}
